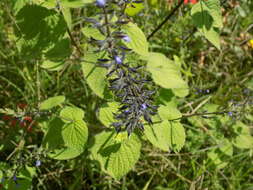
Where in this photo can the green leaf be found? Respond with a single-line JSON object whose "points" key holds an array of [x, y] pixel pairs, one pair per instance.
{"points": [[66, 138], [52, 102], [65, 3], [95, 76], [116, 153], [64, 153], [66, 12], [59, 51], [75, 135], [166, 135], [138, 41], [166, 74], [169, 111], [226, 147], [74, 132], [52, 66], [75, 3], [207, 18], [158, 135], [106, 113], [70, 114], [38, 30], [93, 32], [134, 8], [241, 128], [215, 158], [243, 141]]}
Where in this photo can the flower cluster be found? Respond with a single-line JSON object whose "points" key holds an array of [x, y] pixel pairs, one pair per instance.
{"points": [[24, 121], [126, 79]]}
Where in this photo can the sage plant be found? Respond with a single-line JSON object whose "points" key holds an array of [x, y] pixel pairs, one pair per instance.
{"points": [[127, 82]]}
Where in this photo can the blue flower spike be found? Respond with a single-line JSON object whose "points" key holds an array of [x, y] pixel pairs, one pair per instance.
{"points": [[101, 3]]}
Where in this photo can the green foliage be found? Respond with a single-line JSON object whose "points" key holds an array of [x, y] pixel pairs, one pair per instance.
{"points": [[67, 138], [95, 76], [207, 18], [52, 102], [47, 48], [116, 153], [40, 34], [159, 66], [106, 113], [134, 8], [138, 41]]}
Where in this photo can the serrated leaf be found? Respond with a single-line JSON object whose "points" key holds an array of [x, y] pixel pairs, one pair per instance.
{"points": [[40, 27], [64, 153], [117, 155], [134, 8], [106, 113], [243, 141], [138, 42], [207, 18], [158, 135], [52, 102], [65, 3], [75, 3], [166, 74], [93, 32], [75, 135], [52, 66], [71, 114], [59, 51], [166, 135], [94, 75], [169, 111], [66, 137]]}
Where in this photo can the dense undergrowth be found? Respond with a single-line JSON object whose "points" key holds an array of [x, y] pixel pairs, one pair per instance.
{"points": [[212, 109]]}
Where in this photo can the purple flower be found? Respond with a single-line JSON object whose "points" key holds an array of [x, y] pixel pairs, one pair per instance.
{"points": [[101, 3], [118, 60], [143, 106], [14, 178], [230, 114], [38, 163], [126, 39]]}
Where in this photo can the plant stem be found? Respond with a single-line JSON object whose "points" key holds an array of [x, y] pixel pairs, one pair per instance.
{"points": [[165, 20]]}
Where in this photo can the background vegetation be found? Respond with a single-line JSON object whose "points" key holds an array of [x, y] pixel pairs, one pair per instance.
{"points": [[218, 148]]}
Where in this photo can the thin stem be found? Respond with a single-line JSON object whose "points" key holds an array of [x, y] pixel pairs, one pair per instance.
{"points": [[191, 115], [69, 33], [165, 20]]}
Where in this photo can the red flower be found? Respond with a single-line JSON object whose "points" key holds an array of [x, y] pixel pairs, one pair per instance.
{"points": [[190, 1], [7, 117], [28, 118]]}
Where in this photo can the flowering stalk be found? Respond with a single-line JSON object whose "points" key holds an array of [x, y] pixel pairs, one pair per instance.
{"points": [[126, 81]]}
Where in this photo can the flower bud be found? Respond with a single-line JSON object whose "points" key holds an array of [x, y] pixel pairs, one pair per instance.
{"points": [[100, 3], [126, 39]]}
